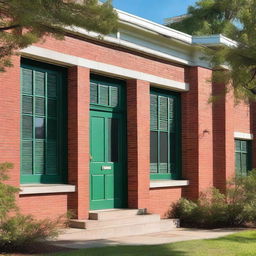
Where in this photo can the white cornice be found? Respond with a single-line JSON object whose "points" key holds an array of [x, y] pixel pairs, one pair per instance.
{"points": [[155, 27], [172, 33], [214, 40]]}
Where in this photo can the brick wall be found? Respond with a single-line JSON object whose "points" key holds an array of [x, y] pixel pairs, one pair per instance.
{"points": [[78, 139], [197, 152], [138, 129], [10, 119], [161, 200], [116, 56], [44, 206], [223, 136], [242, 121]]}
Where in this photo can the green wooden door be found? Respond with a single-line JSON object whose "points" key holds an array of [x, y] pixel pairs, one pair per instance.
{"points": [[107, 164]]}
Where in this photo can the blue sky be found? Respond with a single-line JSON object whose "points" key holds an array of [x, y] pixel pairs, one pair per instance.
{"points": [[154, 10]]}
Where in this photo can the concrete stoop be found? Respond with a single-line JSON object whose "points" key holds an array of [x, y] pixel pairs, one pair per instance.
{"points": [[122, 222]]}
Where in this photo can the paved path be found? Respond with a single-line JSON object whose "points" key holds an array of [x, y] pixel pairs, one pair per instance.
{"points": [[72, 238]]}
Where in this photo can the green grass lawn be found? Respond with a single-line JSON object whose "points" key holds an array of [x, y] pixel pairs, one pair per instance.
{"points": [[242, 243]]}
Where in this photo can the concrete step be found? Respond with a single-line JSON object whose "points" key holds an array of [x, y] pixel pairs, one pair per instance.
{"points": [[100, 224], [112, 214], [169, 224], [125, 230]]}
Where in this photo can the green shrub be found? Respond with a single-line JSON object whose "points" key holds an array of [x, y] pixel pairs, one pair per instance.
{"points": [[18, 231], [213, 209], [7, 193]]}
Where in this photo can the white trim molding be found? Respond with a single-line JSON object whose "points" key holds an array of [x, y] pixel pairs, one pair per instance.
{"points": [[214, 40], [154, 27], [55, 57], [29, 189], [168, 183], [243, 136]]}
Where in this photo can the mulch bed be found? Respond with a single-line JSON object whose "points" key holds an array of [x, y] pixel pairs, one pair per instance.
{"points": [[39, 248]]}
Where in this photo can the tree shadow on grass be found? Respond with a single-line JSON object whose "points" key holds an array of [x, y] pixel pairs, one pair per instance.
{"points": [[146, 250]]}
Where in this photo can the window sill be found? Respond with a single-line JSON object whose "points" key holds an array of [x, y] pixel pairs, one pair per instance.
{"points": [[168, 183], [29, 189]]}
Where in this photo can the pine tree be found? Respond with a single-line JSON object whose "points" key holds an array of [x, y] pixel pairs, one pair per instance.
{"points": [[235, 19], [24, 22]]}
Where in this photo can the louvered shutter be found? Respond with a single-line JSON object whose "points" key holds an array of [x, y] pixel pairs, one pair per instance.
{"points": [[39, 157], [163, 113], [39, 83], [27, 104], [104, 95], [52, 85], [27, 81], [93, 93], [27, 157], [153, 112], [114, 96]]}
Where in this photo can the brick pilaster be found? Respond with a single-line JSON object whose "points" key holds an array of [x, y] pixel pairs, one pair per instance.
{"points": [[223, 137], [138, 131], [197, 134], [78, 139]]}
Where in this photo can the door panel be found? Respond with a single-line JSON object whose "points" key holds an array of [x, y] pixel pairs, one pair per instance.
{"points": [[107, 165], [98, 135]]}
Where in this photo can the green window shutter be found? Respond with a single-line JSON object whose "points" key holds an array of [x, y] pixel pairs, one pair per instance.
{"points": [[93, 93], [27, 127], [52, 85], [39, 83], [163, 113], [153, 112], [27, 104], [106, 94], [27, 81], [114, 96], [171, 114], [164, 135], [27, 157], [43, 145], [40, 107], [39, 157], [242, 157]]}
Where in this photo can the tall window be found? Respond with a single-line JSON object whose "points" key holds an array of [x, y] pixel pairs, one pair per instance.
{"points": [[242, 156], [43, 129], [165, 155]]}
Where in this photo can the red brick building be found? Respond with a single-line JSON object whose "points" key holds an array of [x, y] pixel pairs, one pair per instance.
{"points": [[123, 122]]}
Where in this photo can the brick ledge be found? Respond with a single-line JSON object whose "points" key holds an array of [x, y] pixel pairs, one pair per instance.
{"points": [[28, 189], [168, 183]]}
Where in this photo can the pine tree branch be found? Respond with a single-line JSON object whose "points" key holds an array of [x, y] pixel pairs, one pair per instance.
{"points": [[9, 27]]}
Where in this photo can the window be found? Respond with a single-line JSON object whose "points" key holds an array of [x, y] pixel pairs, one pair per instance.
{"points": [[43, 123], [105, 94], [242, 156], [165, 155]]}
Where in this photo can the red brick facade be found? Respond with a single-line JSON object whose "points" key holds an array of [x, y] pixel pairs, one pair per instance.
{"points": [[207, 130]]}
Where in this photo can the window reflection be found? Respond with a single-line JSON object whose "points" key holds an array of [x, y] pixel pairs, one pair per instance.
{"points": [[40, 128]]}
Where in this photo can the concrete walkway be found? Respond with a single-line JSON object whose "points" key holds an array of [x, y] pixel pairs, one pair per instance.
{"points": [[73, 238]]}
